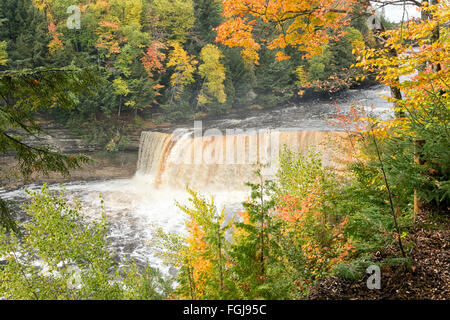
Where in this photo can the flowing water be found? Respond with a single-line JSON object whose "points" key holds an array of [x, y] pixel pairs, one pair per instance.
{"points": [[211, 160]]}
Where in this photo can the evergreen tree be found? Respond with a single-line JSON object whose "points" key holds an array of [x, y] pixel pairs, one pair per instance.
{"points": [[207, 17], [22, 94], [25, 30]]}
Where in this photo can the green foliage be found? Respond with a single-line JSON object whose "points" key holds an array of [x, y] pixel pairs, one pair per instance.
{"points": [[317, 68], [25, 30], [207, 17], [200, 255], [331, 70], [7, 217], [354, 270], [60, 255], [308, 199], [175, 17], [371, 223], [430, 123], [3, 53], [120, 87], [255, 248], [299, 171], [274, 80], [306, 225], [115, 35], [365, 199], [213, 72], [24, 92]]}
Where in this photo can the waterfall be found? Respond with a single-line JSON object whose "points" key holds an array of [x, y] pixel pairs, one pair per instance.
{"points": [[150, 150], [225, 162]]}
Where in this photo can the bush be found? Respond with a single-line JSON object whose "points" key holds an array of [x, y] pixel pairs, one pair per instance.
{"points": [[59, 255], [430, 123], [307, 202]]}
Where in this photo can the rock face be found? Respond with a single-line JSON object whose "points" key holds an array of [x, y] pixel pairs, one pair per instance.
{"points": [[104, 165], [61, 138], [69, 142]]}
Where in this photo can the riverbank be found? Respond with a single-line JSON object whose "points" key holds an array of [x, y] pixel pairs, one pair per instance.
{"points": [[104, 165], [310, 115], [428, 277]]}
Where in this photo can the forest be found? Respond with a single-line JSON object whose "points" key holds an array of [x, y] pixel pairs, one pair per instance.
{"points": [[104, 69], [162, 61]]}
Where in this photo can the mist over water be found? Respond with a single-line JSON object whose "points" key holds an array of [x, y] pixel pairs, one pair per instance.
{"points": [[170, 161]]}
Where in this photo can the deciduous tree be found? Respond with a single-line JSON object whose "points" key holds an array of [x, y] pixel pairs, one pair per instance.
{"points": [[422, 68], [183, 69], [305, 25], [213, 72], [174, 17], [3, 53]]}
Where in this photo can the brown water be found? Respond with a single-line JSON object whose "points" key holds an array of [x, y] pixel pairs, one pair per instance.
{"points": [[227, 161]]}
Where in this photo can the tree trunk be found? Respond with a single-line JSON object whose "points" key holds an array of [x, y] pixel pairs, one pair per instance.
{"points": [[220, 256], [262, 227], [395, 92], [120, 107], [418, 155]]}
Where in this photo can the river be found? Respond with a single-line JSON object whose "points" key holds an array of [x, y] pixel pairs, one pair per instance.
{"points": [[169, 161]]}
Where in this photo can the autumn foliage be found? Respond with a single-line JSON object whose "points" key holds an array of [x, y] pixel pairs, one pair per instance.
{"points": [[414, 58], [153, 58], [305, 25]]}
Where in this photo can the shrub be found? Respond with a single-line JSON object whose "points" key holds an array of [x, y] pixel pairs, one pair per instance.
{"points": [[59, 255]]}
